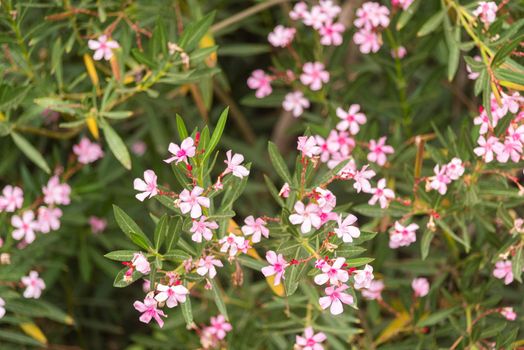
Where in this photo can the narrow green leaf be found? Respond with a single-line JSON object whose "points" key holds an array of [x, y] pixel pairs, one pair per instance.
{"points": [[131, 229], [425, 243], [436, 317], [161, 230], [278, 163], [219, 301], [30, 151], [116, 145], [187, 312], [120, 255], [431, 24], [217, 133], [181, 127], [176, 255]]}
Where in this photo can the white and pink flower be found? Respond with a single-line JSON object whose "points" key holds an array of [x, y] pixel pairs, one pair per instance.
{"points": [[171, 295], [149, 309], [261, 82], [148, 187], [34, 285], [103, 47], [234, 165], [276, 268], [420, 287], [183, 152], [202, 228], [310, 340], [192, 202], [206, 266], [381, 194], [351, 119], [87, 151], [335, 298], [378, 151], [12, 198], [295, 102], [307, 216], [314, 75], [25, 226], [255, 228]]}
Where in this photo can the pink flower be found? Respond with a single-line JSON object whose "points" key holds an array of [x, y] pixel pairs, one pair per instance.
{"points": [[233, 243], [381, 194], [12, 198], [486, 11], [374, 291], [486, 147], [315, 18], [234, 165], [34, 285], [261, 82], [314, 75], [362, 278], [306, 215], [2, 308], [98, 225], [103, 47], [331, 34], [420, 287], [508, 313], [56, 192], [202, 228], [471, 74], [139, 148], [346, 230], [378, 150], [310, 340], [87, 151], [334, 273], [329, 8], [181, 153], [455, 169], [148, 186], [140, 263], [149, 311], [299, 10], [49, 219], [351, 120], [372, 15], [25, 226], [193, 202], [277, 266], [399, 52], [509, 149], [284, 191], [404, 4], [326, 200], [219, 327], [367, 40], [207, 265], [361, 178], [511, 103], [503, 270], [440, 181], [308, 146], [402, 236], [281, 36], [484, 122], [256, 227], [295, 102], [516, 133], [335, 296], [172, 295], [340, 141]]}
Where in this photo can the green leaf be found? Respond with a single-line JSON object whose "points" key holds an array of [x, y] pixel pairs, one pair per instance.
{"points": [[518, 264], [161, 230], [121, 255], [30, 151], [131, 229], [406, 15], [436, 317], [425, 243], [18, 338], [172, 236], [506, 50], [120, 282], [278, 163], [356, 262], [217, 133], [187, 312], [181, 128], [273, 190], [194, 31], [349, 251], [219, 301], [176, 255], [116, 145], [431, 24], [12, 96]]}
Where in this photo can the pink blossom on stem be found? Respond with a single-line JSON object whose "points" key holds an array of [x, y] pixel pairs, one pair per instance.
{"points": [[261, 82], [12, 198], [378, 151], [234, 165], [56, 192], [281, 36], [402, 236], [504, 270], [307, 216], [295, 102], [345, 230], [206, 266], [420, 287], [219, 326], [87, 151], [103, 47], [372, 15], [98, 225], [508, 313], [362, 278], [284, 191], [298, 11], [25, 226], [256, 228], [455, 169], [314, 75], [334, 273], [139, 148], [308, 146], [486, 12], [351, 119], [472, 75], [329, 8], [374, 291], [183, 152], [367, 40], [202, 228], [335, 297], [277, 266], [403, 4], [49, 219], [192, 202], [34, 285], [2, 308], [486, 147], [310, 340], [331, 34], [399, 52], [315, 18], [510, 149], [231, 243], [440, 181], [147, 187], [361, 178], [171, 295], [149, 310], [140, 263], [381, 194]]}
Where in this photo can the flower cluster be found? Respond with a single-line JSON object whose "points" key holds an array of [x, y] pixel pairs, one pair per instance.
{"points": [[371, 19]]}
